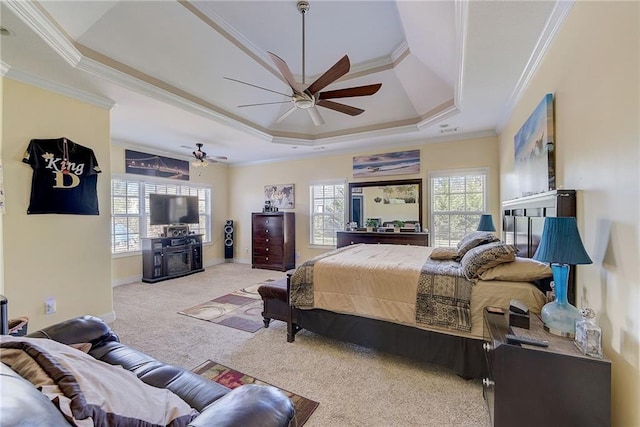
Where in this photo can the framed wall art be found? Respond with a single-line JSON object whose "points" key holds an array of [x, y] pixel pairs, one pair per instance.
{"points": [[153, 165], [396, 163], [534, 149], [281, 196]]}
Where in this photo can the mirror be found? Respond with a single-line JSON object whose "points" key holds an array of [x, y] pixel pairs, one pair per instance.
{"points": [[386, 201]]}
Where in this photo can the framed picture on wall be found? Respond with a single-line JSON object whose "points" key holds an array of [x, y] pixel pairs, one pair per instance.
{"points": [[396, 163], [281, 196], [153, 165], [534, 144]]}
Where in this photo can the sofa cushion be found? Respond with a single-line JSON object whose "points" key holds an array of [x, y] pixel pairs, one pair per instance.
{"points": [[86, 389]]}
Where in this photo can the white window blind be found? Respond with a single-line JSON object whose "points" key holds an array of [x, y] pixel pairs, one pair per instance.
{"points": [[327, 212], [130, 211], [458, 198]]}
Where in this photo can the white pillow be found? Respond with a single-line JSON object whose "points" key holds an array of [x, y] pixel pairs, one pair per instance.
{"points": [[520, 270]]}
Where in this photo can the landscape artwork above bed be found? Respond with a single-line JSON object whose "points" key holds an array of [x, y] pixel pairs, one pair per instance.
{"points": [[534, 162], [396, 163]]}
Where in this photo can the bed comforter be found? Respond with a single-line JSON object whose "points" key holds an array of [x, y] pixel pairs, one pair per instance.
{"points": [[402, 284]]}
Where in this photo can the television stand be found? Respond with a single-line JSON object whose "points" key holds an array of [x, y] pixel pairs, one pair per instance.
{"points": [[170, 257]]}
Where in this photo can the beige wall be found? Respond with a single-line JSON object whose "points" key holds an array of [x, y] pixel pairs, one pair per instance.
{"points": [[128, 268], [247, 183], [60, 256], [592, 70]]}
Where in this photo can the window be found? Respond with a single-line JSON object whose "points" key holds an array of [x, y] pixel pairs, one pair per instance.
{"points": [[327, 213], [458, 198], [130, 212]]}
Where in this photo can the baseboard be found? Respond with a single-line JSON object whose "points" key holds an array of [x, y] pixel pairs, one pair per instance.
{"points": [[108, 318], [126, 280]]}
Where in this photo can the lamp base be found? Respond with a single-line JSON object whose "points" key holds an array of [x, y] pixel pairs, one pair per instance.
{"points": [[560, 318]]}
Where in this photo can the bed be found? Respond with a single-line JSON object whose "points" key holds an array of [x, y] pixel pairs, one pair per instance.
{"points": [[398, 299]]}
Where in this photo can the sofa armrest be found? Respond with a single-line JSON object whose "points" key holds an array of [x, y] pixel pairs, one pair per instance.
{"points": [[249, 405], [78, 330]]}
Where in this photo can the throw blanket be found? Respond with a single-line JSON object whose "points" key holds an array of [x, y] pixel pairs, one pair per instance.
{"points": [[396, 283], [89, 392], [444, 296]]}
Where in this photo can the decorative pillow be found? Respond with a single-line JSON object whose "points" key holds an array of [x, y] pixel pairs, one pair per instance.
{"points": [[444, 253], [87, 390], [481, 258], [473, 240], [520, 270]]}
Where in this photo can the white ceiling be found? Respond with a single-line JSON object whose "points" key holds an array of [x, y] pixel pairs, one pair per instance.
{"points": [[161, 67]]}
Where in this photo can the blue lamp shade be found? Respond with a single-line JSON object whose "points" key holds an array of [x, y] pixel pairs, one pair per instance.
{"points": [[486, 223], [561, 246]]}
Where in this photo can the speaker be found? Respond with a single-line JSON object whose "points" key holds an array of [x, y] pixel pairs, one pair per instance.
{"points": [[228, 239], [176, 230]]}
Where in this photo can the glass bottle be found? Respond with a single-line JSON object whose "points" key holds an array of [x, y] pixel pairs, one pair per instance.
{"points": [[588, 334]]}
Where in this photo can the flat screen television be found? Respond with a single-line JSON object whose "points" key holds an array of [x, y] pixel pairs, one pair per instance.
{"points": [[166, 209]]}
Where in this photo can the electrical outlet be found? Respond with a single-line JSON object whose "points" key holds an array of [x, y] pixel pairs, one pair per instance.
{"points": [[50, 306]]}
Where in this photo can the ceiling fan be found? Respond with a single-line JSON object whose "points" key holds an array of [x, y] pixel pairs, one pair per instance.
{"points": [[201, 158], [308, 97]]}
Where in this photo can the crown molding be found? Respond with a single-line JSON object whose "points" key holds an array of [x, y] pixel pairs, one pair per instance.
{"points": [[61, 89], [551, 29], [32, 15], [461, 11], [138, 85], [4, 68]]}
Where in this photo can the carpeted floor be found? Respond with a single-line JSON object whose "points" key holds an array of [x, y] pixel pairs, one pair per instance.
{"points": [[355, 386]]}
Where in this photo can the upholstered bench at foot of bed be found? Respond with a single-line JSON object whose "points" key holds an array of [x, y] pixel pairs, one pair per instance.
{"points": [[275, 296]]}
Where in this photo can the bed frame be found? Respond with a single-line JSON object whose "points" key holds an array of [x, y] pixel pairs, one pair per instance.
{"points": [[522, 221]]}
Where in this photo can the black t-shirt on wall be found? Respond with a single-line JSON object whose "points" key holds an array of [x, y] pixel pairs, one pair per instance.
{"points": [[65, 177]]}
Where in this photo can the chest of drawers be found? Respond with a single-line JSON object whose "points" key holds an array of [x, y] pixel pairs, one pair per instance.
{"points": [[273, 240]]}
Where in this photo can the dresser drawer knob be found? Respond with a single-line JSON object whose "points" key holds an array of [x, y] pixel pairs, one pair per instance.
{"points": [[267, 249], [267, 258], [266, 231], [487, 347], [266, 240], [487, 382]]}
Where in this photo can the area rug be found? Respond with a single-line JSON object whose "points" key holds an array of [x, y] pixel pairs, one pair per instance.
{"points": [[228, 377], [240, 309]]}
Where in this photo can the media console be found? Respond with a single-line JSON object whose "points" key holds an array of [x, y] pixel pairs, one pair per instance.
{"points": [[168, 257]]}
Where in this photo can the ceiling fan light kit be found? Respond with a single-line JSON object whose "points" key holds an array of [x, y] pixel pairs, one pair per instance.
{"points": [[201, 158], [308, 98]]}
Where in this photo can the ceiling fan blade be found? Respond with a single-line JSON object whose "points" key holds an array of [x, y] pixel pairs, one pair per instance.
{"points": [[342, 108], [259, 87], [262, 103], [286, 114], [338, 70], [216, 158], [315, 116], [350, 92], [285, 71]]}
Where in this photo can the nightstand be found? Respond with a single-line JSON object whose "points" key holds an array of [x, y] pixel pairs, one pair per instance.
{"points": [[538, 386]]}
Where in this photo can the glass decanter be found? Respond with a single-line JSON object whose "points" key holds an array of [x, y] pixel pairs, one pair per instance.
{"points": [[588, 334]]}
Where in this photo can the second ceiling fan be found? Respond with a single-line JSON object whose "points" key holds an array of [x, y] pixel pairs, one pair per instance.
{"points": [[307, 98]]}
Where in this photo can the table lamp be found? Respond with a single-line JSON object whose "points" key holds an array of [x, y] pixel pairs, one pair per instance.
{"points": [[561, 246], [486, 223]]}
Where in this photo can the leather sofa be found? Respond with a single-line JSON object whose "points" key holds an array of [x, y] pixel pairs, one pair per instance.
{"points": [[248, 405]]}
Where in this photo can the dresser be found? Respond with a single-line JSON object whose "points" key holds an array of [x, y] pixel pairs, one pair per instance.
{"points": [[346, 238], [273, 241]]}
